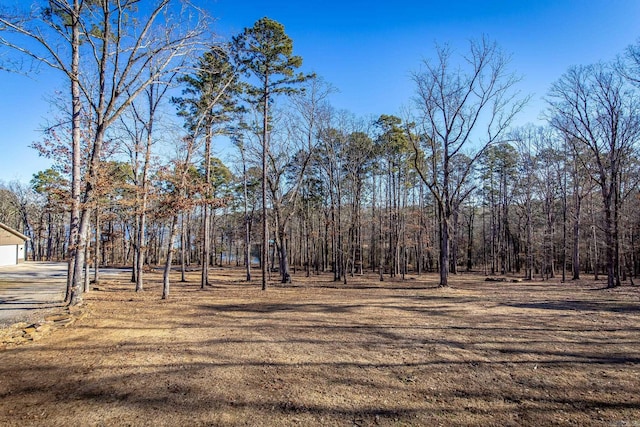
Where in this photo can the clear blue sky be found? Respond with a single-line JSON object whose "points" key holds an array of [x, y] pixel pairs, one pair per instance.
{"points": [[368, 50]]}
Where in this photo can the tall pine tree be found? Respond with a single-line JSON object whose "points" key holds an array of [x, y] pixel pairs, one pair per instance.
{"points": [[208, 105], [265, 52]]}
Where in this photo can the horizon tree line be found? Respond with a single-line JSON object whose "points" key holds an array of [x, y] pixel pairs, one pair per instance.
{"points": [[450, 186]]}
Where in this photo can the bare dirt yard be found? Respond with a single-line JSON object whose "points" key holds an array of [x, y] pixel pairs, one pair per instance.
{"points": [[323, 353]]}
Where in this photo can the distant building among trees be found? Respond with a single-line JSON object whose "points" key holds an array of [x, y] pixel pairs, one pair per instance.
{"points": [[12, 244]]}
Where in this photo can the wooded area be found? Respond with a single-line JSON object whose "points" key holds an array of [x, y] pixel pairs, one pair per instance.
{"points": [[449, 185]]}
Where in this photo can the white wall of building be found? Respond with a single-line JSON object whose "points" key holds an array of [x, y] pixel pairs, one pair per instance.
{"points": [[8, 254]]}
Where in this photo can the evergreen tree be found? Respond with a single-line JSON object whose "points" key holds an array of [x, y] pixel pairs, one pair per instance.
{"points": [[265, 52], [208, 104]]}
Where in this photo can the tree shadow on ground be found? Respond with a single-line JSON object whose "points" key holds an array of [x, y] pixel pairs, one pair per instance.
{"points": [[578, 305]]}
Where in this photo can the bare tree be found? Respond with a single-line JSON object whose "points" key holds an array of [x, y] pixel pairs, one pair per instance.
{"points": [[114, 69], [144, 114], [595, 108], [458, 104], [289, 158]]}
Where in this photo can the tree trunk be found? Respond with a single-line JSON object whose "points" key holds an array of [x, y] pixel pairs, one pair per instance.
{"points": [[76, 174], [444, 246], [609, 240], [85, 282], [142, 243], [454, 241], [576, 239], [247, 224], [183, 251], [96, 258], [206, 226], [169, 260], [265, 151], [80, 260], [284, 261], [85, 214], [470, 238]]}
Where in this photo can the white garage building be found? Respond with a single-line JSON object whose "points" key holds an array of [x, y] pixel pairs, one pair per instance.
{"points": [[12, 244]]}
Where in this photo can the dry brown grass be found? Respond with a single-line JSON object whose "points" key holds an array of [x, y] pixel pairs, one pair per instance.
{"points": [[322, 353]]}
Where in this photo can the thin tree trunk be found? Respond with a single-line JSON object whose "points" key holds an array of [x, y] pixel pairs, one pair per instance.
{"points": [[596, 249], [85, 282], [96, 258], [206, 226], [247, 223], [141, 243], [284, 262], [454, 240], [444, 251], [183, 251], [169, 260], [576, 234]]}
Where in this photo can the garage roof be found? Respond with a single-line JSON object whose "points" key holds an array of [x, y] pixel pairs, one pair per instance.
{"points": [[9, 236]]}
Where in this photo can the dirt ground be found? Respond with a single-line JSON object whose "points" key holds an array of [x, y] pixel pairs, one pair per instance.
{"points": [[323, 353]]}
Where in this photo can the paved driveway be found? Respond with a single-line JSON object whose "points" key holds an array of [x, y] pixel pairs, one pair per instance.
{"points": [[31, 286]]}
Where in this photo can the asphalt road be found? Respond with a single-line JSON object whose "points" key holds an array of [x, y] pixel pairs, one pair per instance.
{"points": [[32, 286]]}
